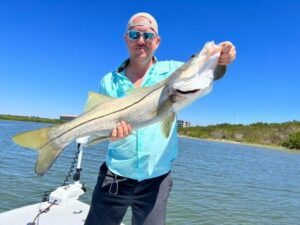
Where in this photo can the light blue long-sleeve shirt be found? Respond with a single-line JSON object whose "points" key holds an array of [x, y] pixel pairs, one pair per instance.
{"points": [[146, 152]]}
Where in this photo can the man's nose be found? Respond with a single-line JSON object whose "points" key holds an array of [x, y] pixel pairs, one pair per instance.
{"points": [[141, 40]]}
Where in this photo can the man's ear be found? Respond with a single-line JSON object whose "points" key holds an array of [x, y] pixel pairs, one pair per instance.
{"points": [[158, 40]]}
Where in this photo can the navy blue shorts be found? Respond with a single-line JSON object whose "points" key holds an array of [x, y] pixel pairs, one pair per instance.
{"points": [[114, 194]]}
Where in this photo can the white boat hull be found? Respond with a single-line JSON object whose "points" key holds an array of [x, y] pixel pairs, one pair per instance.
{"points": [[73, 213]]}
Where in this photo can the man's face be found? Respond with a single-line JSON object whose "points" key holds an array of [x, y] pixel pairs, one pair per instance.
{"points": [[141, 49]]}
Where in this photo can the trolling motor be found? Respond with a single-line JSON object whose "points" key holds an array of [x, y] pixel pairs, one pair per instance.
{"points": [[67, 193], [71, 192]]}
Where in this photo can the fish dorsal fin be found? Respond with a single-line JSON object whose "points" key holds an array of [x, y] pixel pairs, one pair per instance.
{"points": [[95, 99], [166, 124]]}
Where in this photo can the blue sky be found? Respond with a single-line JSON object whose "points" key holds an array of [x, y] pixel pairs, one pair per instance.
{"points": [[53, 52]]}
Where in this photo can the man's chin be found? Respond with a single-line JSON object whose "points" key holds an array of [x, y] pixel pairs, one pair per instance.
{"points": [[141, 52], [142, 56]]}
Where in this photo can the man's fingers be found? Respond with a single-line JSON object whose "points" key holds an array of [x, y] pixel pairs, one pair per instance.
{"points": [[226, 56], [227, 47], [129, 129], [124, 129], [120, 133], [228, 53], [225, 61], [114, 134], [232, 52], [226, 43]]}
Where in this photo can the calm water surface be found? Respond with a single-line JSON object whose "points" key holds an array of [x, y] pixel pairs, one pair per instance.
{"points": [[214, 183]]}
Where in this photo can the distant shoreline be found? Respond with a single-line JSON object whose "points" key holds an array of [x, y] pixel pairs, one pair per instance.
{"points": [[207, 137], [285, 135], [29, 119], [273, 147]]}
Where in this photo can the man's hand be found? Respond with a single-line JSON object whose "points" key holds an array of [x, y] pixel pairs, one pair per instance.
{"points": [[228, 53], [122, 130]]}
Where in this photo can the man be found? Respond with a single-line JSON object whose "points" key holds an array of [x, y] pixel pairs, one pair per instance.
{"points": [[137, 168]]}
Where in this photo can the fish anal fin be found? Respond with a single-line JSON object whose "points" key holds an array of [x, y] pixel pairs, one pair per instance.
{"points": [[95, 99], [166, 124]]}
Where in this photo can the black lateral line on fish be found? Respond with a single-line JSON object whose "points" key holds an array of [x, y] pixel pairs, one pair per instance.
{"points": [[101, 116]]}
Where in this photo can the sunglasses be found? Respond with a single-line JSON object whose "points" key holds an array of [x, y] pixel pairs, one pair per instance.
{"points": [[134, 35]]}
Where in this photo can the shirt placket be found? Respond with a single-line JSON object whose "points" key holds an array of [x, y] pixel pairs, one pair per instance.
{"points": [[139, 149], [140, 133]]}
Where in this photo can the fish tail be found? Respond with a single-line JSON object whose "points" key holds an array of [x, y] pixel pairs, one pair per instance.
{"points": [[39, 140]]}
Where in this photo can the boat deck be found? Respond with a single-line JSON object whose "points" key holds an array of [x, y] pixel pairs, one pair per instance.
{"points": [[73, 213]]}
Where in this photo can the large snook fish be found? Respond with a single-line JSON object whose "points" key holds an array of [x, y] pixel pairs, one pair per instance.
{"points": [[140, 108]]}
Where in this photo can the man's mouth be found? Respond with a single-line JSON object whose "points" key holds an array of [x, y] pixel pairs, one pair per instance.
{"points": [[141, 47]]}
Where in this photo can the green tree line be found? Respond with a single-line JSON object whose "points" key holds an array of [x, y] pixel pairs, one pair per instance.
{"points": [[30, 118], [276, 134]]}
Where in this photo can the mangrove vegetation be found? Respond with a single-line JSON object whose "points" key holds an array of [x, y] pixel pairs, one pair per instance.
{"points": [[30, 118], [273, 134]]}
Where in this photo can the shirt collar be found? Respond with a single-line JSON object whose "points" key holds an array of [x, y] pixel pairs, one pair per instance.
{"points": [[126, 62]]}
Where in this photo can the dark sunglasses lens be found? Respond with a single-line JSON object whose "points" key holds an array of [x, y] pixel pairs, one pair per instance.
{"points": [[148, 36], [133, 35]]}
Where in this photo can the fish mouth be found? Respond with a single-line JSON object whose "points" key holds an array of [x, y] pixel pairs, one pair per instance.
{"points": [[187, 92]]}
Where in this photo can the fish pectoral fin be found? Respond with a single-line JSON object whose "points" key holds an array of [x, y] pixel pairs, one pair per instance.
{"points": [[95, 99], [39, 140], [166, 125], [95, 140], [163, 108]]}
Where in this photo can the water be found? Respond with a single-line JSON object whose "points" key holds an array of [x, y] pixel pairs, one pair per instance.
{"points": [[214, 183]]}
